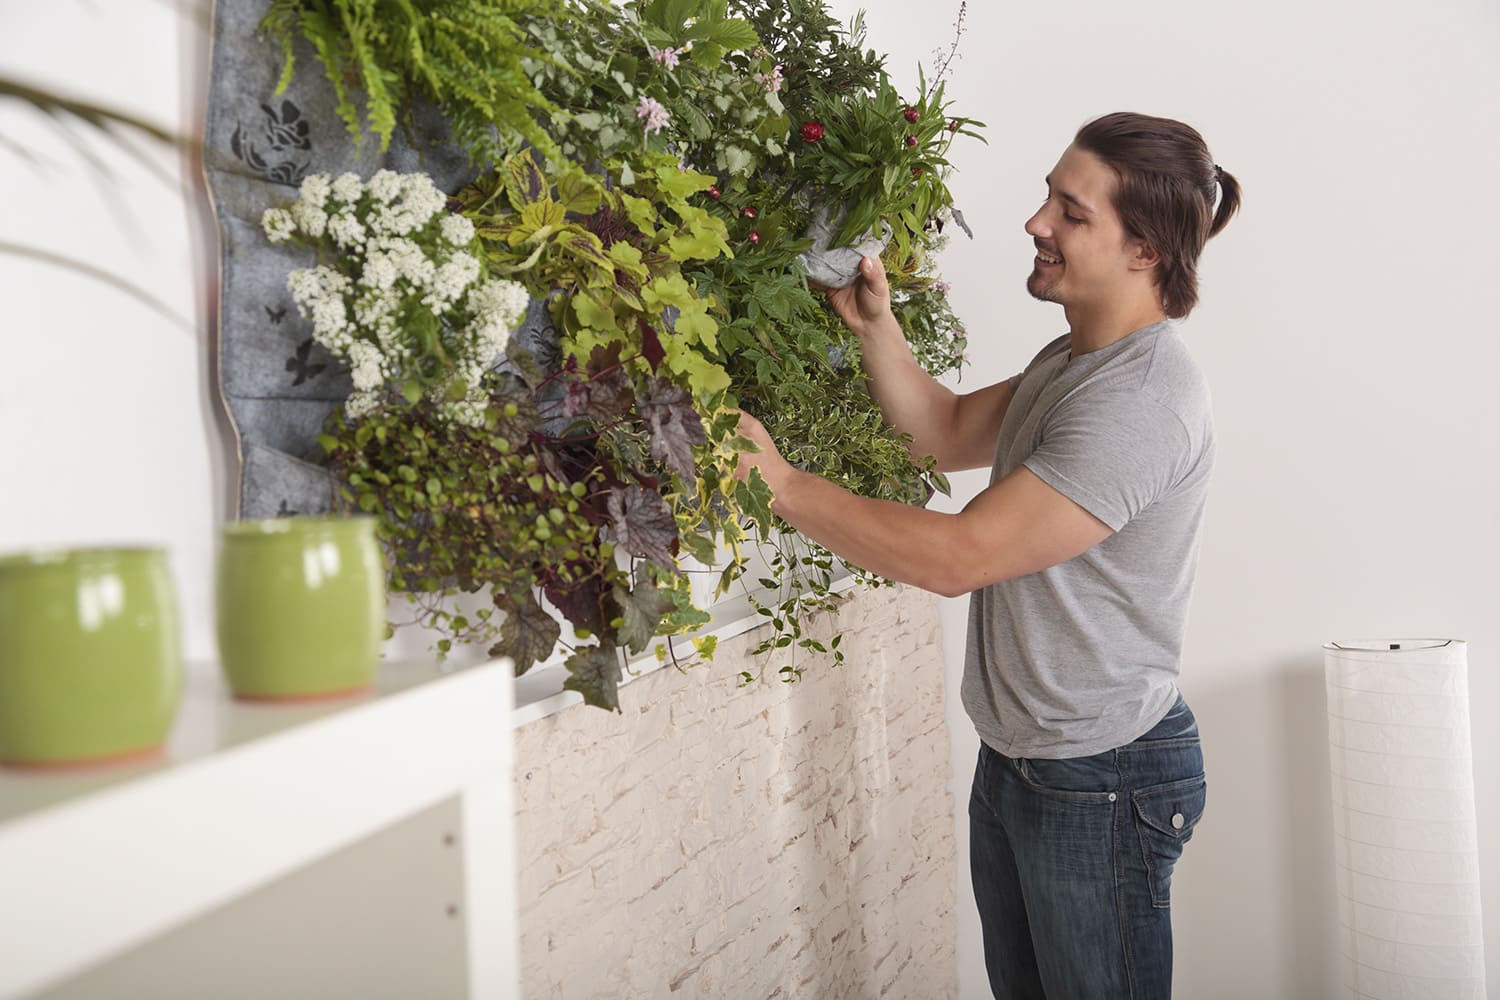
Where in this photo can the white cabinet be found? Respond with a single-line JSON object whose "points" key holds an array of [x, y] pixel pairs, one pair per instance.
{"points": [[264, 809]]}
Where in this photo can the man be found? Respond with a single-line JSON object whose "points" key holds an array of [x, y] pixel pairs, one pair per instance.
{"points": [[1080, 557]]}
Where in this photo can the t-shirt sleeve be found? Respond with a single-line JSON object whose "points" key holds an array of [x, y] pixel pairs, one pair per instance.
{"points": [[1111, 453]]}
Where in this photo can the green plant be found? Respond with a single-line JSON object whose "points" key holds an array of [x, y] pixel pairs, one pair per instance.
{"points": [[590, 476], [463, 55]]}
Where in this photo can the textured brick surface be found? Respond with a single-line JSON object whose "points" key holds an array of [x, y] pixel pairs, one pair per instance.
{"points": [[778, 840]]}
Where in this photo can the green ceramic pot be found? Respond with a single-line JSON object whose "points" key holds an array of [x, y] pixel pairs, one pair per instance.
{"points": [[301, 606], [90, 656]]}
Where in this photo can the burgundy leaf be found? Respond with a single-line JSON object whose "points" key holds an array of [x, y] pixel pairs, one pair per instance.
{"points": [[651, 347], [580, 602], [610, 397]]}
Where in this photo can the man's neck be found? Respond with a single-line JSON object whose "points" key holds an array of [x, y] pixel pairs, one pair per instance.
{"points": [[1093, 329]]}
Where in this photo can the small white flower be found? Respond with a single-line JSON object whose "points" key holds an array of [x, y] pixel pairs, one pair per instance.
{"points": [[457, 230], [348, 188], [346, 230], [314, 190], [360, 403], [379, 272], [657, 117], [504, 302], [385, 185], [311, 219], [366, 366], [278, 224]]}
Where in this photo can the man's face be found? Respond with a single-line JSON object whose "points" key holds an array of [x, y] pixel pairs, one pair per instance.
{"points": [[1083, 254]]}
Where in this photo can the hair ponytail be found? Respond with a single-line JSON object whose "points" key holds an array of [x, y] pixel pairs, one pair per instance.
{"points": [[1229, 200]]}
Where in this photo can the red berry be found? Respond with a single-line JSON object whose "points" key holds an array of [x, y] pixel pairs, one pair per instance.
{"points": [[912, 115], [748, 212], [754, 238], [916, 171], [715, 193], [911, 140], [953, 125], [812, 132]]}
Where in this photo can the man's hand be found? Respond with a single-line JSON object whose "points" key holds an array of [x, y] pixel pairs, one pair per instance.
{"points": [[768, 460], [865, 306]]}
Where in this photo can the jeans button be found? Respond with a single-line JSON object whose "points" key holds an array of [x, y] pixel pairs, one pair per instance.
{"points": [[1111, 796], [1177, 821]]}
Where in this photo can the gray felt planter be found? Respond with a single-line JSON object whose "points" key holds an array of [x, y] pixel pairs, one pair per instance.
{"points": [[278, 384]]}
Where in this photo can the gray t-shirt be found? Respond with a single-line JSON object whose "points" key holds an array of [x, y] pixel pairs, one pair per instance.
{"points": [[1083, 656]]}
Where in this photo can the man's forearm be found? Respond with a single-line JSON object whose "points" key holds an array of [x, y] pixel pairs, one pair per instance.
{"points": [[912, 401], [908, 544]]}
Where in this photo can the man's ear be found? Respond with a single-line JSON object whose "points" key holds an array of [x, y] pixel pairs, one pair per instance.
{"points": [[1143, 256]]}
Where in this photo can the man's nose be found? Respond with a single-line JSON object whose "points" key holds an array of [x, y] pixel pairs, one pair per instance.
{"points": [[1036, 226]]}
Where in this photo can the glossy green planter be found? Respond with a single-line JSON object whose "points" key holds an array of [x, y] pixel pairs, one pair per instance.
{"points": [[301, 606], [90, 656]]}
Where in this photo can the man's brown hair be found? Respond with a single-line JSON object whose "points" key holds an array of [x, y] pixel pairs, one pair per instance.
{"points": [[1168, 184]]}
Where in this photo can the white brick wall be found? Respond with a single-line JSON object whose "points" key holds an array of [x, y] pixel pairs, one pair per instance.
{"points": [[780, 840]]}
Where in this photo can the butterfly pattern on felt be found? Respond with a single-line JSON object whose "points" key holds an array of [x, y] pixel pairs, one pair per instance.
{"points": [[271, 148], [301, 365]]}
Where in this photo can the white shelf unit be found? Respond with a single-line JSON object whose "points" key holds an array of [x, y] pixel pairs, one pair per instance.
{"points": [[96, 863]]}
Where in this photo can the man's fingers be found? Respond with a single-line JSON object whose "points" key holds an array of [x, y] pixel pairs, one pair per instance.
{"points": [[874, 275]]}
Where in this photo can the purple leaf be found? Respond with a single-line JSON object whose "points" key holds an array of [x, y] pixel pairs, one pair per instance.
{"points": [[644, 525], [528, 633], [675, 427]]}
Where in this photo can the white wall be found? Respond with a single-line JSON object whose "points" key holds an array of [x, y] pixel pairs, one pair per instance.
{"points": [[1347, 328], [110, 426], [1344, 326]]}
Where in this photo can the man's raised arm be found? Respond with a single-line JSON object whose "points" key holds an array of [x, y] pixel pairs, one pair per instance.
{"points": [[959, 431]]}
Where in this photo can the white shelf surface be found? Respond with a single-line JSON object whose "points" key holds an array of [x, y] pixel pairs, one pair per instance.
{"points": [[93, 863]]}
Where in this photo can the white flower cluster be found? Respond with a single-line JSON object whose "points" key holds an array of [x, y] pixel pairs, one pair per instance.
{"points": [[396, 254]]}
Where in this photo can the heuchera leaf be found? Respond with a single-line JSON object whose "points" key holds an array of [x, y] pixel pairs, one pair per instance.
{"points": [[644, 525], [580, 602], [675, 427], [642, 609], [651, 348], [594, 672], [528, 633]]}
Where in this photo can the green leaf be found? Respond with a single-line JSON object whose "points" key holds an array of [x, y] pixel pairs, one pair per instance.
{"points": [[593, 314], [411, 391], [642, 609], [754, 498], [738, 161]]}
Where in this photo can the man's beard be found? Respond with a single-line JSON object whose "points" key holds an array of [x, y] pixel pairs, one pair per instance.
{"points": [[1039, 289]]}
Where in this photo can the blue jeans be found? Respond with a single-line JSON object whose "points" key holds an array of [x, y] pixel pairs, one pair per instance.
{"points": [[1072, 863]]}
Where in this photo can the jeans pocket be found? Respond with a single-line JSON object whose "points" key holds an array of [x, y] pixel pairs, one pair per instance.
{"points": [[1082, 779], [1165, 816]]}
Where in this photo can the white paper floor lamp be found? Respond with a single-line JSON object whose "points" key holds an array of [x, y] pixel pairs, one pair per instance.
{"points": [[1406, 843]]}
